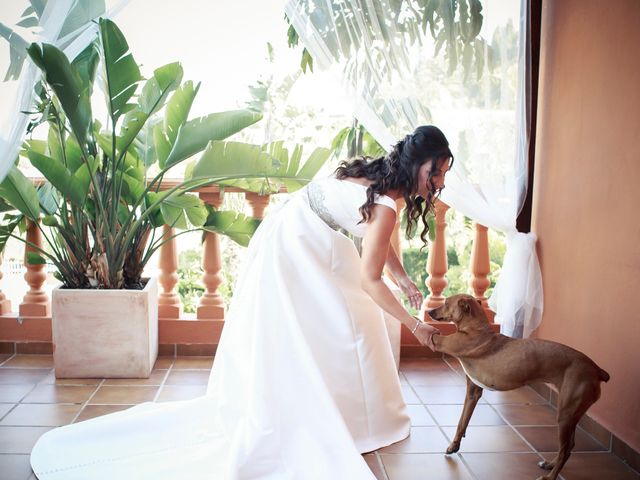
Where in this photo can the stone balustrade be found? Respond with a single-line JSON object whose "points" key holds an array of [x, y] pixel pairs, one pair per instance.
{"points": [[177, 327]]}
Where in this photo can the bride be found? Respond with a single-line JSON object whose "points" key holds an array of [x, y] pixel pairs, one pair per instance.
{"points": [[304, 379]]}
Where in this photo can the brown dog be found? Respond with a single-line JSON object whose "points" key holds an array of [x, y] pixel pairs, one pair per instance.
{"points": [[497, 362]]}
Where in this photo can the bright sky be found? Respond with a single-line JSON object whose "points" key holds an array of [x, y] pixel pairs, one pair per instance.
{"points": [[220, 43], [223, 44]]}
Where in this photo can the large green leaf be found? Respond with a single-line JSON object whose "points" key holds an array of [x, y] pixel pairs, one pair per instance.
{"points": [[176, 209], [9, 224], [155, 216], [131, 164], [222, 159], [144, 144], [17, 190], [122, 72], [48, 198], [154, 93], [54, 144], [82, 177], [175, 116], [161, 145], [39, 146], [87, 63], [178, 109], [260, 169], [196, 134], [73, 154], [54, 171], [5, 207], [68, 85], [313, 164], [134, 188], [34, 258], [236, 226]]}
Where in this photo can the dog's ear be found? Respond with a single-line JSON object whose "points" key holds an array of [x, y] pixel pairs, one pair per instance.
{"points": [[463, 305]]}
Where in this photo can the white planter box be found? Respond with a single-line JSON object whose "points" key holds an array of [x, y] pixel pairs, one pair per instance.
{"points": [[105, 333]]}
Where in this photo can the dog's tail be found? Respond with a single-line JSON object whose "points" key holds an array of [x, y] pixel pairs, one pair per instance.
{"points": [[604, 376]]}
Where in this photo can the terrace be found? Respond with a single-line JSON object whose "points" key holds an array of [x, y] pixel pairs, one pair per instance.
{"points": [[584, 113], [509, 432]]}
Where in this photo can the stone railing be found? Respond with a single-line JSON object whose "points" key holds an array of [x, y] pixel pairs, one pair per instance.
{"points": [[437, 267], [29, 322]]}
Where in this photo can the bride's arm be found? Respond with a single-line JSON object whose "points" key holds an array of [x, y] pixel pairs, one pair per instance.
{"points": [[375, 248], [400, 278], [394, 266]]}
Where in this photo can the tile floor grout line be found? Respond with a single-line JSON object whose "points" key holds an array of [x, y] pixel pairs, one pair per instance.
{"points": [[19, 402], [464, 462], [8, 358], [8, 412], [517, 432], [609, 448], [459, 454], [379, 456], [164, 381], [471, 472], [86, 402], [548, 403], [35, 385], [385, 476]]}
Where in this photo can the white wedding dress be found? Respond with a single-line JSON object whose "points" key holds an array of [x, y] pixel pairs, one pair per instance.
{"points": [[303, 382]]}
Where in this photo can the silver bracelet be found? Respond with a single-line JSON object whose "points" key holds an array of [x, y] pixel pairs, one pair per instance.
{"points": [[418, 323]]}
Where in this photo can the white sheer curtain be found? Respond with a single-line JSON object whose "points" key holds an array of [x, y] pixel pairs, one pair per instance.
{"points": [[410, 62], [66, 24]]}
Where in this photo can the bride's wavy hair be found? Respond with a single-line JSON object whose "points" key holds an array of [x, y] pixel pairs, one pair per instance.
{"points": [[399, 170]]}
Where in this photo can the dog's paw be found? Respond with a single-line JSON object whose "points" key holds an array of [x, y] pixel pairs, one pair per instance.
{"points": [[545, 465], [453, 448]]}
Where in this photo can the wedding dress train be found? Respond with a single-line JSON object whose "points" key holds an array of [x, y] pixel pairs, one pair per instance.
{"points": [[303, 381]]}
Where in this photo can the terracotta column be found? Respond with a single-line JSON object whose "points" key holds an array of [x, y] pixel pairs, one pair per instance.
{"points": [[480, 266], [5, 303], [211, 303], [35, 303], [437, 261], [258, 203], [169, 305]]}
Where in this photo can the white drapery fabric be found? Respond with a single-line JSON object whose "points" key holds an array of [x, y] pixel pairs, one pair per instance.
{"points": [[67, 24], [406, 63]]}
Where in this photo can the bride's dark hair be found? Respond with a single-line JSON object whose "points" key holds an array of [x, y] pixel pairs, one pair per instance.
{"points": [[398, 170]]}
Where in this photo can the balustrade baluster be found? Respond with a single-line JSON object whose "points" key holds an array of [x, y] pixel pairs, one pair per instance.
{"points": [[437, 262], [5, 303], [258, 203], [211, 304], [35, 302], [480, 266], [169, 305]]}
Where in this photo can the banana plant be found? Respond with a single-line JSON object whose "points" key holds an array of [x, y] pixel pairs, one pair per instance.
{"points": [[103, 202]]}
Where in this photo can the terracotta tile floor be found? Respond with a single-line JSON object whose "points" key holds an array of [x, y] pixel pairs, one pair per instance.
{"points": [[509, 432]]}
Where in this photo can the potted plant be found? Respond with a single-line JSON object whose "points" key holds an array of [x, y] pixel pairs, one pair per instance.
{"points": [[100, 209]]}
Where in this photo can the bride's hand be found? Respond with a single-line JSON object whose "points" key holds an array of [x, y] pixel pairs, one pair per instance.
{"points": [[425, 334], [411, 291]]}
